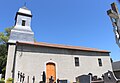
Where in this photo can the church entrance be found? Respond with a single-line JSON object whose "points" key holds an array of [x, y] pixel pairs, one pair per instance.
{"points": [[51, 71]]}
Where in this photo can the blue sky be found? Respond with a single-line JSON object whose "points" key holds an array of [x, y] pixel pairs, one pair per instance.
{"points": [[69, 22]]}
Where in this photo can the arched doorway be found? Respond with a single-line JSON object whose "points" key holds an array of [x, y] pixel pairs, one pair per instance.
{"points": [[51, 71]]}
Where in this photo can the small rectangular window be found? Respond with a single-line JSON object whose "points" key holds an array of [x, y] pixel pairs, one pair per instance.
{"points": [[100, 62], [76, 61], [23, 22]]}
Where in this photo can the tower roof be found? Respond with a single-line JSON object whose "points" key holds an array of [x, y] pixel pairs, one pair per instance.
{"points": [[25, 10]]}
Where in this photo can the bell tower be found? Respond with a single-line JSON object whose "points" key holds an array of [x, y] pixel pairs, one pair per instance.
{"points": [[22, 30]]}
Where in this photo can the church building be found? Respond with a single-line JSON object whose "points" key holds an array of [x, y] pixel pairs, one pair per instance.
{"points": [[27, 59]]}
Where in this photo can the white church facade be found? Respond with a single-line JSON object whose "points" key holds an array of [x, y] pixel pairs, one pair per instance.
{"points": [[59, 61]]}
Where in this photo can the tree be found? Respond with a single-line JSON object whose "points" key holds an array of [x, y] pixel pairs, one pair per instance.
{"points": [[4, 36]]}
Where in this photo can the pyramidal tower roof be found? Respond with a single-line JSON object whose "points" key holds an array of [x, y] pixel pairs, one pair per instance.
{"points": [[24, 10]]}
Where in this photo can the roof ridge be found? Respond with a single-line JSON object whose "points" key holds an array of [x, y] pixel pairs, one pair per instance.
{"points": [[68, 45], [56, 44]]}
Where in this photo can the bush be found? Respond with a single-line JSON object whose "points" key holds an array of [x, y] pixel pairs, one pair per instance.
{"points": [[2, 78], [10, 79], [2, 81]]}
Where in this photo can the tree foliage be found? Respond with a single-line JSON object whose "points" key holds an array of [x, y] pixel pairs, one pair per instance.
{"points": [[4, 36]]}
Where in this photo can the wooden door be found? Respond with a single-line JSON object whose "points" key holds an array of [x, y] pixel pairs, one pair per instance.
{"points": [[50, 71]]}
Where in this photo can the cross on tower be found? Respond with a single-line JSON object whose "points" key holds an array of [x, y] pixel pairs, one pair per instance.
{"points": [[25, 4]]}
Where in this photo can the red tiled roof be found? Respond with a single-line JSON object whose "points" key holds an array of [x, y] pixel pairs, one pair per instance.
{"points": [[62, 46]]}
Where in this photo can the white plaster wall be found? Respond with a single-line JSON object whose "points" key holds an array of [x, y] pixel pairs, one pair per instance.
{"points": [[27, 19], [22, 33], [32, 63], [10, 58]]}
